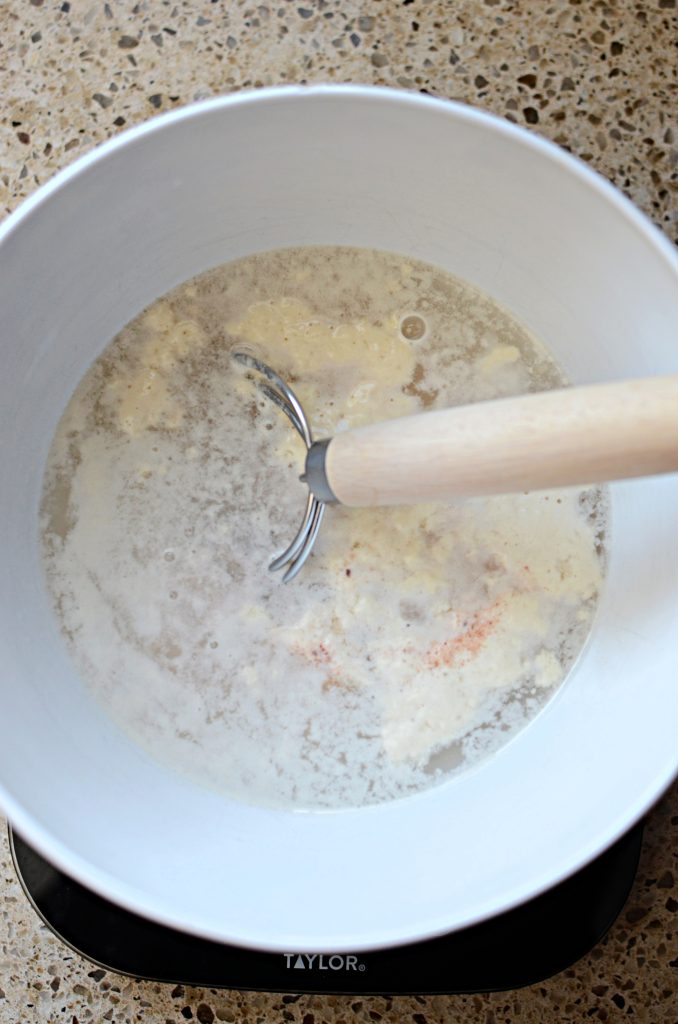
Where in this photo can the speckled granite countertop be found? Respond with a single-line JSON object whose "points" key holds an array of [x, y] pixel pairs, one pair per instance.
{"points": [[598, 77]]}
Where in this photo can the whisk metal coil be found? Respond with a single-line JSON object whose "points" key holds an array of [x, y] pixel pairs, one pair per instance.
{"points": [[282, 395]]}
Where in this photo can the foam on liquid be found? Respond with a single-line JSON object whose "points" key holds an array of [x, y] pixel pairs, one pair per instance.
{"points": [[415, 641]]}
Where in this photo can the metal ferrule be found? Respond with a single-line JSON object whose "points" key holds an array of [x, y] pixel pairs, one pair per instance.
{"points": [[315, 476]]}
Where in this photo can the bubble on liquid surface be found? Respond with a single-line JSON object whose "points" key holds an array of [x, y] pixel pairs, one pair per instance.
{"points": [[413, 327]]}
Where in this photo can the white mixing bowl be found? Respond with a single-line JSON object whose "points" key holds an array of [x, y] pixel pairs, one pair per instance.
{"points": [[548, 238]]}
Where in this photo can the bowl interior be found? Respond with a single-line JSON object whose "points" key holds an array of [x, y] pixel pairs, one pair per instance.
{"points": [[483, 200]]}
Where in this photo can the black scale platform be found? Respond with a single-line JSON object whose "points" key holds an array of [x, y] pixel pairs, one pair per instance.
{"points": [[518, 948]]}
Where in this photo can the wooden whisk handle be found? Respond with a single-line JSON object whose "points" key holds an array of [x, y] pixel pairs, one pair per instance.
{"points": [[576, 435]]}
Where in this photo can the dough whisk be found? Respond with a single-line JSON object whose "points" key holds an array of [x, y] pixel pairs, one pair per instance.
{"points": [[566, 437]]}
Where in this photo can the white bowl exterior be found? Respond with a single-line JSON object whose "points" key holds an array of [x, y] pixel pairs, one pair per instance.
{"points": [[484, 200]]}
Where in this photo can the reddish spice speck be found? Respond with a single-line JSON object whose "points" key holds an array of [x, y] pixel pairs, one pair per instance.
{"points": [[320, 655], [478, 629], [348, 572]]}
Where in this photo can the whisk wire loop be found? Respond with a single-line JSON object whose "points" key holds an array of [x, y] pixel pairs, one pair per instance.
{"points": [[283, 396]]}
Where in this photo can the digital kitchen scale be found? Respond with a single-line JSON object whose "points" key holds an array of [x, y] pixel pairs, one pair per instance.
{"points": [[520, 947]]}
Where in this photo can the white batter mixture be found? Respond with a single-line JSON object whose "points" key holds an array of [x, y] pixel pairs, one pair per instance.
{"points": [[415, 641]]}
